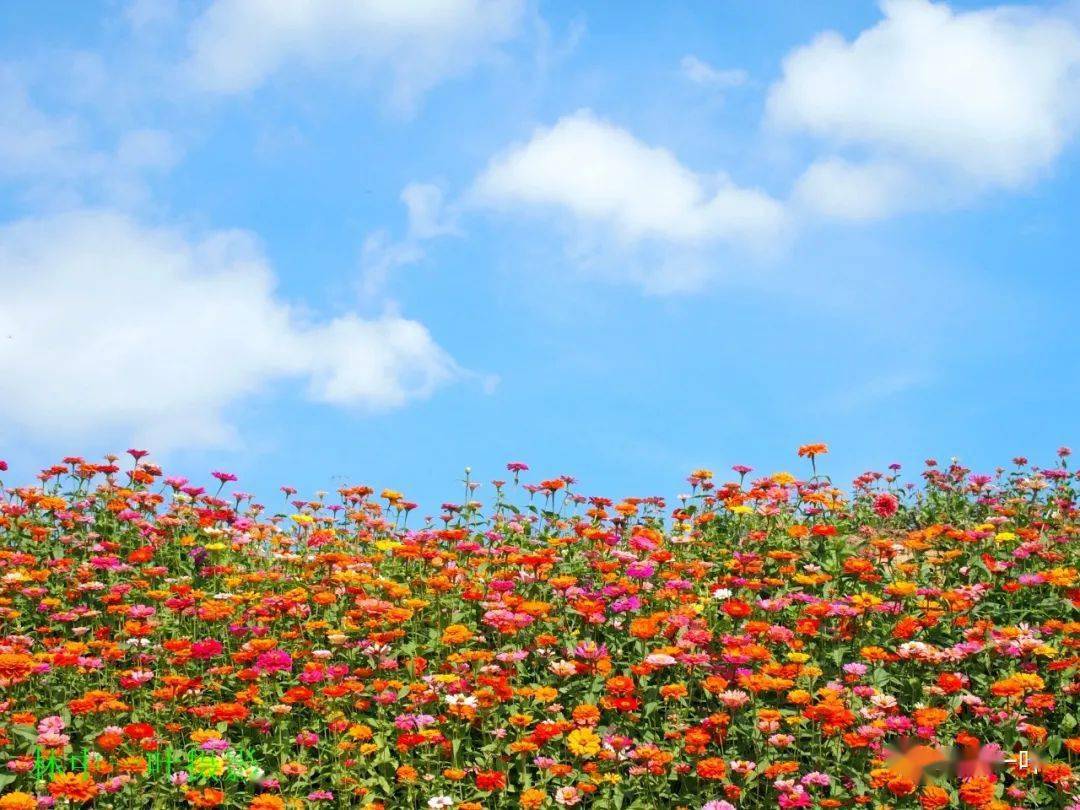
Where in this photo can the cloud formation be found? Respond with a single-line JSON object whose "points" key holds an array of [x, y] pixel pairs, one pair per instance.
{"points": [[931, 100], [599, 173], [107, 325], [58, 159], [701, 72], [237, 45], [429, 217]]}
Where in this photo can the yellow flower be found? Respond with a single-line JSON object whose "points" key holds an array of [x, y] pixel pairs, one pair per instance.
{"points": [[902, 588], [741, 509], [207, 766], [583, 742], [1004, 537], [865, 600]]}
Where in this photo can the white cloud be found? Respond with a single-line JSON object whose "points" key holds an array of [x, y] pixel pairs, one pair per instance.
{"points": [[428, 213], [380, 363], [601, 174], [57, 161], [236, 45], [107, 326], [701, 72], [977, 99], [429, 217], [34, 144], [837, 189], [380, 258]]}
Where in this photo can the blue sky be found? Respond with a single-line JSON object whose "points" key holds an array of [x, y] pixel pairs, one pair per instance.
{"points": [[377, 242]]}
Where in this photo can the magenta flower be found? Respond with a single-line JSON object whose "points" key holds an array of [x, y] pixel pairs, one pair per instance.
{"points": [[274, 661]]}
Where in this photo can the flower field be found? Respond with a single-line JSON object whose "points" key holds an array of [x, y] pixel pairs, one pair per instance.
{"points": [[765, 640]]}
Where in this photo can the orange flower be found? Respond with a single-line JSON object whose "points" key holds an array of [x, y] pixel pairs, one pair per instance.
{"points": [[267, 801], [531, 799], [77, 788], [977, 792], [207, 797], [15, 668], [644, 628], [1007, 687], [930, 717], [1056, 773], [133, 765], [673, 691], [456, 634], [109, 740], [711, 768], [230, 713], [586, 714], [812, 450], [619, 685], [933, 798], [18, 800], [899, 786], [715, 684]]}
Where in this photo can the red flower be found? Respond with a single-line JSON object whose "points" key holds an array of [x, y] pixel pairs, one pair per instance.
{"points": [[737, 609], [490, 780], [139, 731]]}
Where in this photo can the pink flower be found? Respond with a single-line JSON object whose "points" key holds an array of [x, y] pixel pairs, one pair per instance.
{"points": [[274, 661], [206, 648], [886, 504], [640, 570]]}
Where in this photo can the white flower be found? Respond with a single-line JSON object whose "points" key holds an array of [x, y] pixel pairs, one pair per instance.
{"points": [[721, 593], [461, 700], [438, 802], [563, 668]]}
